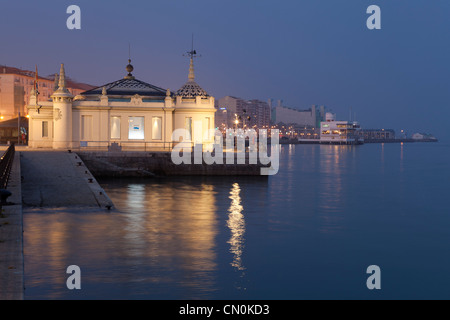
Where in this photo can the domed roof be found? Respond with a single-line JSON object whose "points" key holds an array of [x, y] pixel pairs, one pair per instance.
{"points": [[128, 86], [191, 89]]}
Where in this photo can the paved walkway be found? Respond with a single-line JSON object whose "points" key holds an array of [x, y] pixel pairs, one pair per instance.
{"points": [[40, 179], [59, 179], [11, 239]]}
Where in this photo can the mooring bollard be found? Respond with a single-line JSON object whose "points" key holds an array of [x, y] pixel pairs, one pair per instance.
{"points": [[4, 194]]}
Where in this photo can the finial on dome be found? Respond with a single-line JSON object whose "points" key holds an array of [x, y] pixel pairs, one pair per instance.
{"points": [[104, 91], [129, 69], [168, 93]]}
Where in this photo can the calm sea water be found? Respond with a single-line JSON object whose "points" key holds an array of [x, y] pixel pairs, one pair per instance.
{"points": [[309, 232]]}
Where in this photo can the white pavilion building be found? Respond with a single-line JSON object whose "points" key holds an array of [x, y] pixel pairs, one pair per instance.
{"points": [[128, 113]]}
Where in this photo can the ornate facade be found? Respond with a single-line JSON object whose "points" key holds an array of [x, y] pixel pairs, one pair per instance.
{"points": [[128, 113]]}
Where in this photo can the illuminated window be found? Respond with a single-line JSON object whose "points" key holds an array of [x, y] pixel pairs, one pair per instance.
{"points": [[188, 126], [44, 129], [115, 128], [136, 128], [86, 127], [156, 128], [208, 126]]}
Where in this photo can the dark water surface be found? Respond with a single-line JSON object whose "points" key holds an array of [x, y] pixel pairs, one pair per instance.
{"points": [[309, 232]]}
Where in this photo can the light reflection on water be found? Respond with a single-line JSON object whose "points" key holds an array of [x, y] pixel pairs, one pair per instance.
{"points": [[308, 232], [236, 223]]}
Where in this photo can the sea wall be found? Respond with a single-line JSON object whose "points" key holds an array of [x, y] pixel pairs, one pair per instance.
{"points": [[149, 164]]}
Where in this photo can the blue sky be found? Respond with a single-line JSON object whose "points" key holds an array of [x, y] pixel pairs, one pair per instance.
{"points": [[304, 52]]}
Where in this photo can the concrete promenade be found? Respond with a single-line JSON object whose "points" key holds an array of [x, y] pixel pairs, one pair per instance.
{"points": [[59, 179], [40, 179]]}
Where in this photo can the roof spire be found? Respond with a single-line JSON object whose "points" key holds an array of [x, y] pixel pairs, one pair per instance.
{"points": [[192, 54], [191, 75], [62, 89], [62, 79], [191, 88]]}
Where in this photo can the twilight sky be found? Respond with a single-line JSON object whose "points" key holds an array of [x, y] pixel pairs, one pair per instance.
{"points": [[301, 51]]}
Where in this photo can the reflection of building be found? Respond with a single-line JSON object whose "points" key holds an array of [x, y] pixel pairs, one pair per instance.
{"points": [[127, 112], [163, 248], [339, 132], [16, 86], [305, 118], [248, 113]]}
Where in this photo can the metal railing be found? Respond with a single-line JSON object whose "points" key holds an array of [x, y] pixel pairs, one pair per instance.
{"points": [[124, 146], [6, 162], [147, 146]]}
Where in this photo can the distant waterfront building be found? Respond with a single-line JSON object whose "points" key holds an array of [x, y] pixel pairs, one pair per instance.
{"points": [[128, 112], [16, 86], [259, 112], [339, 132], [377, 134], [306, 118], [248, 113], [422, 136]]}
